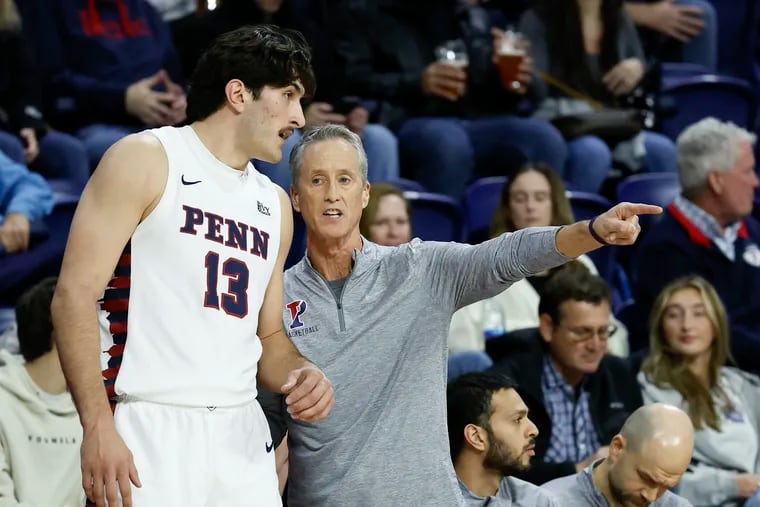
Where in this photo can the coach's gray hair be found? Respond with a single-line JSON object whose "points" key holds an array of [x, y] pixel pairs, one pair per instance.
{"points": [[324, 133], [708, 145]]}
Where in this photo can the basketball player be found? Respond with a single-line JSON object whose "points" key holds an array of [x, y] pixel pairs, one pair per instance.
{"points": [[193, 240]]}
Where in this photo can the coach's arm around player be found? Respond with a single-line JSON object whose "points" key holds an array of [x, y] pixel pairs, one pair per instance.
{"points": [[282, 369]]}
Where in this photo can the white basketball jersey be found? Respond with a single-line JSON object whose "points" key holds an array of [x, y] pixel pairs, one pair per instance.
{"points": [[179, 317]]}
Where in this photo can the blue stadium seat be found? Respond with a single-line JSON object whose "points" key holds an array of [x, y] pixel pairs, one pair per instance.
{"points": [[466, 362], [649, 188], [587, 205], [64, 192], [678, 70], [692, 98], [435, 217], [481, 198], [406, 184], [737, 36]]}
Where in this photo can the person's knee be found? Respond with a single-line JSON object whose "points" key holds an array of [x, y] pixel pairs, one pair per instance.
{"points": [[546, 143], [437, 139], [661, 153], [708, 10], [379, 135], [97, 141], [12, 147]]}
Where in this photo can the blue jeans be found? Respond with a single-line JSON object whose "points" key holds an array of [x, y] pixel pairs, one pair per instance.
{"points": [[379, 144], [588, 164], [98, 137], [754, 500], [590, 160], [61, 156], [703, 49], [444, 154], [21, 270], [661, 154]]}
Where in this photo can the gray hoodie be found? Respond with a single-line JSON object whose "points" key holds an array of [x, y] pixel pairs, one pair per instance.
{"points": [[40, 437], [382, 343], [719, 455]]}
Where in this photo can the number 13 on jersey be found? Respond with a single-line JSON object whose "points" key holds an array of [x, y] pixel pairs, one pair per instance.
{"points": [[235, 301]]}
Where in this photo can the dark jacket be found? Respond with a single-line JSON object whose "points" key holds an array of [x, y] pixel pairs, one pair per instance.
{"points": [[385, 46], [674, 247], [614, 395], [313, 20], [20, 91], [91, 51]]}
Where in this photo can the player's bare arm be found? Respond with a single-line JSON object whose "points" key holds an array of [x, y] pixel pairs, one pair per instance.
{"points": [[282, 369], [123, 190]]}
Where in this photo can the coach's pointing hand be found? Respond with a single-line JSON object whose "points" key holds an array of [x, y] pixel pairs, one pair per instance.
{"points": [[309, 394], [617, 226]]}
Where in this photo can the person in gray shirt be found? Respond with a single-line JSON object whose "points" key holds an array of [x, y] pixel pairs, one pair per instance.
{"points": [[376, 319], [491, 437], [647, 459]]}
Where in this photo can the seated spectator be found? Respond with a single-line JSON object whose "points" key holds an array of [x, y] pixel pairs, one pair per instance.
{"points": [[387, 218], [328, 105], [109, 68], [578, 395], [181, 16], [708, 231], [491, 437], [533, 196], [29, 250], [678, 31], [646, 459], [601, 59], [24, 135], [40, 432], [685, 367], [453, 122]]}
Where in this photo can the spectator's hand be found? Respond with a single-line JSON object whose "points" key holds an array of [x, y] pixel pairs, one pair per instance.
{"points": [[444, 80], [746, 484], [32, 147], [620, 224], [153, 108], [14, 233], [623, 77], [357, 119], [682, 22], [320, 113], [107, 466], [309, 394], [178, 105], [525, 71], [600, 453]]}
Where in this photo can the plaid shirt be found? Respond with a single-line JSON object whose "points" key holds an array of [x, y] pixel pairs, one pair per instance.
{"points": [[573, 435], [706, 223]]}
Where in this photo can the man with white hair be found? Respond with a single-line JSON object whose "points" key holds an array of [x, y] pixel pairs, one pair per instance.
{"points": [[707, 230]]}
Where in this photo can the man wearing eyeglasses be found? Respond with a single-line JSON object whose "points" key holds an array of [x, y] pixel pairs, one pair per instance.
{"points": [[578, 395]]}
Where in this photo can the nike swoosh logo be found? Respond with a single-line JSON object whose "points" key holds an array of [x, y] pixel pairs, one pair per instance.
{"points": [[269, 446], [185, 182]]}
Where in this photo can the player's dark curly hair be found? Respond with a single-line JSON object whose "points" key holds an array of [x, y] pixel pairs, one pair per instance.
{"points": [[262, 55]]}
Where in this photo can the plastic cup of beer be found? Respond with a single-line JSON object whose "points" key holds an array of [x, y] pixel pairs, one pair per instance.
{"points": [[453, 52], [510, 55]]}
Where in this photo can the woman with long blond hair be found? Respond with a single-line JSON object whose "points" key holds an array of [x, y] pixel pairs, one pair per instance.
{"points": [[686, 367]]}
